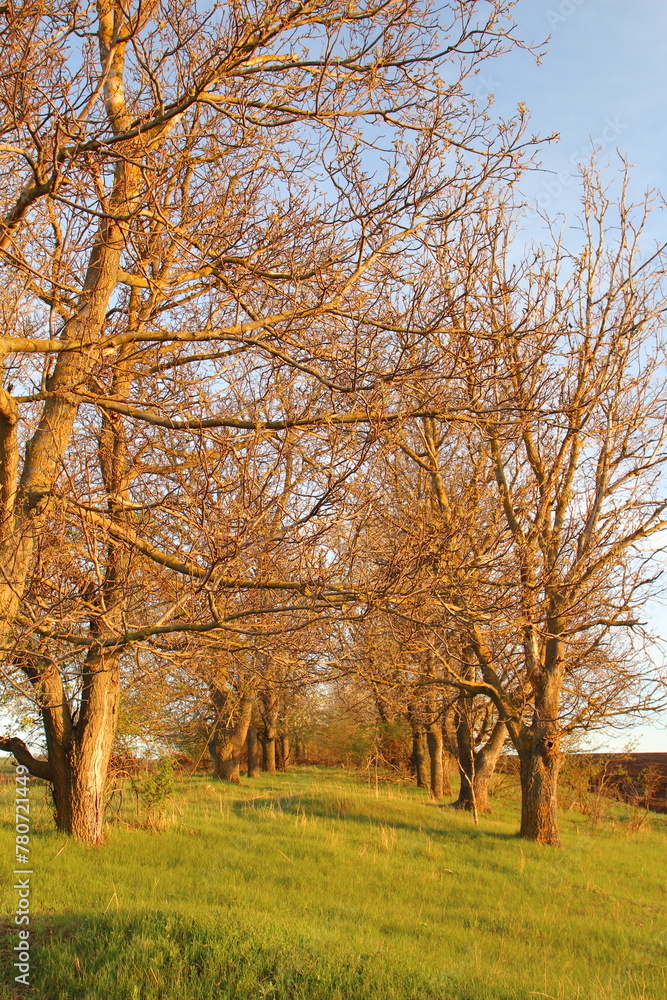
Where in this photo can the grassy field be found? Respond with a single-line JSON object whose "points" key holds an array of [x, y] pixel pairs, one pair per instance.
{"points": [[314, 886]]}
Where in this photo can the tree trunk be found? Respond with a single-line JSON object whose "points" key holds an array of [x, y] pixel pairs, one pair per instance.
{"points": [[78, 755], [446, 772], [466, 756], [269, 712], [268, 753], [79, 752], [226, 766], [538, 747], [226, 743], [79, 795], [436, 757], [95, 731], [539, 763], [476, 771], [420, 756], [253, 751], [284, 751], [485, 764]]}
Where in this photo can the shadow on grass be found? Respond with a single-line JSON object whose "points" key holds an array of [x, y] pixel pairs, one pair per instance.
{"points": [[162, 956], [312, 805]]}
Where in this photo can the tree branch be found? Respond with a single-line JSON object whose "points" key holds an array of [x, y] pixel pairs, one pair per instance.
{"points": [[38, 768]]}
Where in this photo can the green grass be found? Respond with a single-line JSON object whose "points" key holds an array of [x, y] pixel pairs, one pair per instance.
{"points": [[309, 886]]}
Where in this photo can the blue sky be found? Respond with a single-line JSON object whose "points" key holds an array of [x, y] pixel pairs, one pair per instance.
{"points": [[604, 76]]}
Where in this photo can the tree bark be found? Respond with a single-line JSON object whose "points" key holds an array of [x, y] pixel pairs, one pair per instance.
{"points": [[88, 758], [269, 735], [78, 755], [37, 766], [284, 751], [439, 780], [476, 770], [466, 756], [268, 752], [538, 747], [539, 764], [253, 751], [420, 756], [226, 743]]}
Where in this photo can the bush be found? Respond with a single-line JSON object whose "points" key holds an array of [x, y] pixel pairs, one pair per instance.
{"points": [[154, 790]]}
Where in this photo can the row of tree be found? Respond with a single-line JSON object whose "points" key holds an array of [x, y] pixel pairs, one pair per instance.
{"points": [[286, 399]]}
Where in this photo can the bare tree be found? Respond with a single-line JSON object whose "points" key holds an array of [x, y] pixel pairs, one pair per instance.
{"points": [[195, 228], [561, 363]]}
